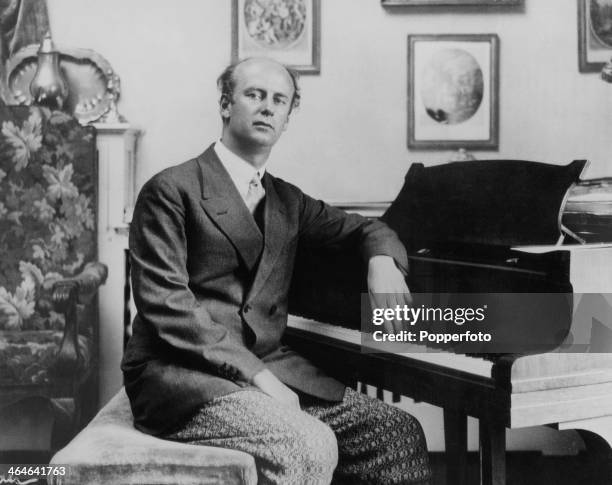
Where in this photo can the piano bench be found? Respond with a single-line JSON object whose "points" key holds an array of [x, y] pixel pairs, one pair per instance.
{"points": [[111, 450]]}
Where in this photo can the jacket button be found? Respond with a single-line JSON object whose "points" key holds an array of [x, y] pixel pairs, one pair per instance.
{"points": [[273, 309], [247, 308]]}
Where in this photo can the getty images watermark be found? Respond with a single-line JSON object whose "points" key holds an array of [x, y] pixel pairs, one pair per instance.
{"points": [[517, 323]]}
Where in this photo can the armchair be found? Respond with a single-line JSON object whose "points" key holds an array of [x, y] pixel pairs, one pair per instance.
{"points": [[48, 278]]}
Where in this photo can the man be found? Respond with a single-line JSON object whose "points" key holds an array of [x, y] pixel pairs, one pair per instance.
{"points": [[213, 243]]}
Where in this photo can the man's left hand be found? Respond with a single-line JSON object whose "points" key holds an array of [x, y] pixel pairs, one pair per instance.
{"points": [[387, 288]]}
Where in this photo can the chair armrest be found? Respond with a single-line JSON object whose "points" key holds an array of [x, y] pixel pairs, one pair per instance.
{"points": [[67, 293], [82, 286]]}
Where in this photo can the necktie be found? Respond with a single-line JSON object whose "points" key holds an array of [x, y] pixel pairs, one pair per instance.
{"points": [[255, 193]]}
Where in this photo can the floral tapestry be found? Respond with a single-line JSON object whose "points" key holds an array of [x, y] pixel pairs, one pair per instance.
{"points": [[47, 211]]}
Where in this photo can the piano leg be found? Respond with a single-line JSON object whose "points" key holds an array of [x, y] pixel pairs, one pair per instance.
{"points": [[455, 440], [492, 452], [597, 436]]}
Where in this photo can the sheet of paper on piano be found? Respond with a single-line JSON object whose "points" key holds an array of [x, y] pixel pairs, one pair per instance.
{"points": [[590, 264], [546, 248]]}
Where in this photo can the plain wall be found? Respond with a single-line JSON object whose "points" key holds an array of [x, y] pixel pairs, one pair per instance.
{"points": [[348, 140]]}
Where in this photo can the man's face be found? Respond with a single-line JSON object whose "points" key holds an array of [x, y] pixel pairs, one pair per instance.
{"points": [[259, 111]]}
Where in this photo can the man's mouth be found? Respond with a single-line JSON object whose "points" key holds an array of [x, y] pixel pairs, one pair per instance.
{"points": [[262, 124]]}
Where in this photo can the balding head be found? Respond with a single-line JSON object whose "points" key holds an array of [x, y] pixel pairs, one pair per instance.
{"points": [[226, 82]]}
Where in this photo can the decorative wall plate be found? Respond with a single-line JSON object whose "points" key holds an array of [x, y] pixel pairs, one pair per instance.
{"points": [[93, 86]]}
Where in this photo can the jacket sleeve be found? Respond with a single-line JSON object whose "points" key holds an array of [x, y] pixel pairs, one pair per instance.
{"points": [[322, 225], [161, 287]]}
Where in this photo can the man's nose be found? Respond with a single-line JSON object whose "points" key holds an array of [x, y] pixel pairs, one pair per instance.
{"points": [[267, 108]]}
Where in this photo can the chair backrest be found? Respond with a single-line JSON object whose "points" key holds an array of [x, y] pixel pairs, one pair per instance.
{"points": [[48, 208]]}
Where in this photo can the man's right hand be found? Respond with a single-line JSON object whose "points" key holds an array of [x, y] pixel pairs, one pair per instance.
{"points": [[269, 383]]}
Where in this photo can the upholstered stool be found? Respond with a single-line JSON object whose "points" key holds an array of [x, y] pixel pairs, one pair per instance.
{"points": [[111, 450]]}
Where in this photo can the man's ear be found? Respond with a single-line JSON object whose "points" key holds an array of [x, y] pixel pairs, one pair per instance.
{"points": [[224, 106]]}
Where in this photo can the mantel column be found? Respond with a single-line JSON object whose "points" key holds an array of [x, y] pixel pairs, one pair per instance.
{"points": [[116, 143]]}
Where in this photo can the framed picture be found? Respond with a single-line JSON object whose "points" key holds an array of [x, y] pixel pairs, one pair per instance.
{"points": [[594, 34], [453, 91], [286, 30], [394, 3]]}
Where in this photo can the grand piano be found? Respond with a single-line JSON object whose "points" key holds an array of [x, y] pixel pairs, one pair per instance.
{"points": [[476, 227]]}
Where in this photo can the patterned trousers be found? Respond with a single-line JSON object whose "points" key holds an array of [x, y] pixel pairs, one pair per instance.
{"points": [[358, 440]]}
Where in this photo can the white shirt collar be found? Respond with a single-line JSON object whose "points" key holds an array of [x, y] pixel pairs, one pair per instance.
{"points": [[240, 171]]}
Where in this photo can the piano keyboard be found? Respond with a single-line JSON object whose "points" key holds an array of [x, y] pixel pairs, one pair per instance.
{"points": [[471, 365]]}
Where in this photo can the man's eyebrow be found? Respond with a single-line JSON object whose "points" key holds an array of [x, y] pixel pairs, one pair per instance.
{"points": [[277, 94]]}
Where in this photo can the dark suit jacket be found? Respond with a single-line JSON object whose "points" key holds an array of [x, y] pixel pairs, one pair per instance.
{"points": [[211, 290]]}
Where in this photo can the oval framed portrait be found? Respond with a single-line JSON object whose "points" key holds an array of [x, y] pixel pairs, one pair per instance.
{"points": [[453, 91]]}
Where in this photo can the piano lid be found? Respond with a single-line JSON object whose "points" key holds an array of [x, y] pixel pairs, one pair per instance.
{"points": [[493, 202]]}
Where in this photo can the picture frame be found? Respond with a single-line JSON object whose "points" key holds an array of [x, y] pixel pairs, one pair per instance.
{"points": [[408, 3], [289, 33], [453, 91], [594, 34]]}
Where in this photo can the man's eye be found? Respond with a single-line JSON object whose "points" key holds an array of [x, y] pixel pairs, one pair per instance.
{"points": [[281, 101], [254, 95]]}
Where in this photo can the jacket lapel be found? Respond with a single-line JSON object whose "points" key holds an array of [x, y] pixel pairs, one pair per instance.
{"points": [[275, 228], [224, 205]]}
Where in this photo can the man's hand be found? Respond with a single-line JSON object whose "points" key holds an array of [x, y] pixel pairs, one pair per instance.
{"points": [[269, 383], [387, 288]]}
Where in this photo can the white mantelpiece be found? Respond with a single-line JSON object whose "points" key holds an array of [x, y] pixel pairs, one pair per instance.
{"points": [[116, 143]]}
